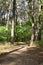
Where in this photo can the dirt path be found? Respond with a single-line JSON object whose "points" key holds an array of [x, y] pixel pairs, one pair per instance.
{"points": [[24, 55]]}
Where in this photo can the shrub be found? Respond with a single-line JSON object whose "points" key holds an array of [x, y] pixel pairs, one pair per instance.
{"points": [[22, 33]]}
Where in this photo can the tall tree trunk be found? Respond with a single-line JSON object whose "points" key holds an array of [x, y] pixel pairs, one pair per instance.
{"points": [[7, 23], [13, 20], [33, 24], [39, 22]]}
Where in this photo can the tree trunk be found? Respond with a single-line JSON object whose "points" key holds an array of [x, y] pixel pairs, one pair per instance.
{"points": [[33, 25], [33, 32], [13, 20], [8, 15], [39, 22], [39, 29], [12, 31], [7, 22]]}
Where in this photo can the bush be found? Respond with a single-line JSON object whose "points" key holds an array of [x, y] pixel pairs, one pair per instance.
{"points": [[22, 33], [4, 36]]}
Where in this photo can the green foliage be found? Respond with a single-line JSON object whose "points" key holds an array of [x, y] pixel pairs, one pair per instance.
{"points": [[4, 36], [2, 22], [30, 0], [39, 43], [22, 33]]}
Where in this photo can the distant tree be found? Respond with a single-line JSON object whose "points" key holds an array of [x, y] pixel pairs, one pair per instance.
{"points": [[8, 14]]}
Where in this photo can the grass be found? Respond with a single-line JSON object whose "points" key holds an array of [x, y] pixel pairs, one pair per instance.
{"points": [[5, 47], [8, 46]]}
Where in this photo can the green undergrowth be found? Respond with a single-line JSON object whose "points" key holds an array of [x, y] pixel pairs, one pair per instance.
{"points": [[4, 35]]}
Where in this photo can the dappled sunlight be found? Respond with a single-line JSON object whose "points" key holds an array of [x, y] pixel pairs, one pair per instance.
{"points": [[23, 56], [21, 32]]}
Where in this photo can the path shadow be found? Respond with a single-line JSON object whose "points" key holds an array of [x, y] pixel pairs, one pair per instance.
{"points": [[32, 56], [6, 53]]}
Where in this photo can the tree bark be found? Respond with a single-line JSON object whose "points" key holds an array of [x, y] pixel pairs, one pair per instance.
{"points": [[33, 24], [13, 20], [39, 22], [39, 29], [33, 32], [7, 22], [12, 31]]}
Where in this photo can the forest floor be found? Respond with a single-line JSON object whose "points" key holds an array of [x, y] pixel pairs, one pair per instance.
{"points": [[22, 55]]}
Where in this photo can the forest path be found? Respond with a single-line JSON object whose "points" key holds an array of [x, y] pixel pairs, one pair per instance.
{"points": [[23, 55]]}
